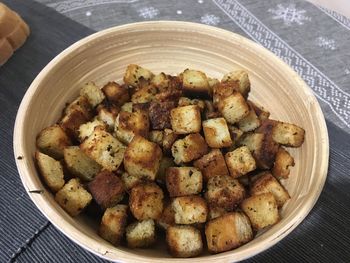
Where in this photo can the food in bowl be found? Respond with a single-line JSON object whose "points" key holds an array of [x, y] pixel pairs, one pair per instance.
{"points": [[187, 155]]}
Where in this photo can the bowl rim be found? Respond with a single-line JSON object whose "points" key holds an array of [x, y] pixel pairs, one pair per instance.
{"points": [[87, 242]]}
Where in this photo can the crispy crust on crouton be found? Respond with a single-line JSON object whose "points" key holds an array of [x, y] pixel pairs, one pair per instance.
{"points": [[92, 93], [168, 140], [222, 90], [216, 133], [283, 162], [167, 218], [190, 209], [134, 73], [182, 181], [288, 134], [186, 119], [233, 108], [195, 83], [159, 114], [240, 161], [115, 93], [141, 234], [241, 76]]}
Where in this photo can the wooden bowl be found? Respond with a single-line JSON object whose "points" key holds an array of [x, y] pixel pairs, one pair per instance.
{"points": [[172, 47]]}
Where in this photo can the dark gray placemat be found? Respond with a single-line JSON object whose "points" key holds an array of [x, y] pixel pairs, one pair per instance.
{"points": [[25, 234]]}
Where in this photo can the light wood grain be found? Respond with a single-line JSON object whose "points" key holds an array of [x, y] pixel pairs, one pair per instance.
{"points": [[172, 47]]}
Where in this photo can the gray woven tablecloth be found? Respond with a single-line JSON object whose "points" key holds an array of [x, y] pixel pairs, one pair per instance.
{"points": [[313, 41]]}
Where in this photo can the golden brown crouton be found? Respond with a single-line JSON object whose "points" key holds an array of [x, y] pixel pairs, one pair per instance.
{"points": [[169, 138], [184, 241], [79, 164], [223, 90], [260, 111], [141, 234], [190, 209], [186, 119], [156, 137], [190, 148], [167, 218], [261, 209], [159, 114], [127, 107], [269, 184], [183, 101], [195, 83], [233, 108], [215, 211], [82, 105], [171, 93], [113, 224], [288, 134], [224, 191], [183, 181], [144, 94], [52, 141], [92, 93], [240, 161], [282, 164], [216, 133], [127, 125], [51, 171], [210, 112], [235, 133], [142, 158], [134, 73], [228, 232], [165, 163], [73, 197], [86, 129], [71, 122], [212, 164], [115, 93], [241, 76], [146, 201], [108, 114], [249, 122], [104, 149], [107, 189], [131, 180], [160, 80]]}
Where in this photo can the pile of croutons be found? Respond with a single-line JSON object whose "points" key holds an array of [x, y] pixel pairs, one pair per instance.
{"points": [[187, 154]]}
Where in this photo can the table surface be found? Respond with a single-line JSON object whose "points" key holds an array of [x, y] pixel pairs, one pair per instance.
{"points": [[312, 40]]}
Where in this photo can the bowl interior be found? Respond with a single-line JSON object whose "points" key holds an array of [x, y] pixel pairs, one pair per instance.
{"points": [[172, 47]]}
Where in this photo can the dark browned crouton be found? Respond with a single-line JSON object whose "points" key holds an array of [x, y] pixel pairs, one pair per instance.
{"points": [[107, 189], [283, 162], [159, 114], [228, 232], [169, 138], [167, 218], [146, 201], [115, 93]]}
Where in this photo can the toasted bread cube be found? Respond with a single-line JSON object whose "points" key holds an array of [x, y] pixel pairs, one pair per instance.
{"points": [[212, 164], [182, 181], [71, 122], [240, 161], [253, 141], [167, 218], [288, 134], [249, 122], [224, 191], [195, 83], [212, 82], [190, 148], [165, 163], [235, 133], [169, 138], [156, 137], [107, 189], [269, 184], [146, 201], [261, 209], [282, 164], [79, 164], [73, 197], [190, 209], [131, 181], [184, 241], [223, 90], [227, 232], [241, 76], [51, 171], [82, 105], [142, 158], [186, 119], [52, 141], [86, 129], [92, 93], [113, 224], [104, 149], [215, 211], [216, 133], [210, 112], [141, 234], [108, 115], [160, 80], [127, 107], [260, 111], [115, 93], [127, 125], [183, 101], [144, 94], [134, 73], [159, 114], [233, 108]]}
